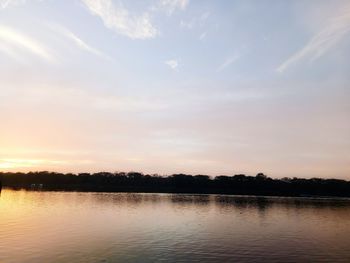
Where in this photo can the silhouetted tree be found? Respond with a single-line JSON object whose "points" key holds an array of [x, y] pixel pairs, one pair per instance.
{"points": [[134, 181]]}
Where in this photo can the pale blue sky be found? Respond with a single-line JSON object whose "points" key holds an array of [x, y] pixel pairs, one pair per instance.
{"points": [[168, 86]]}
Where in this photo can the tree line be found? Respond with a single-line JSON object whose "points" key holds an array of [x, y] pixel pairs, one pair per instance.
{"points": [[177, 183]]}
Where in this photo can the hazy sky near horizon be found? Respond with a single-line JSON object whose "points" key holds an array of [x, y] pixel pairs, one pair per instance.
{"points": [[169, 86]]}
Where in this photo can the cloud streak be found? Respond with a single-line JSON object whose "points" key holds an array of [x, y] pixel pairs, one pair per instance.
{"points": [[9, 51], [15, 39], [172, 63], [12, 3], [196, 21], [228, 62], [79, 42], [322, 42], [171, 5], [118, 18], [6, 3], [202, 36]]}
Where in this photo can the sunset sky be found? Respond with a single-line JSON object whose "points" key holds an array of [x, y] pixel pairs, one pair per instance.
{"points": [[169, 86]]}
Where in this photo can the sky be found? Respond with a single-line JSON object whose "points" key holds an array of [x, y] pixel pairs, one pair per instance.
{"points": [[176, 86]]}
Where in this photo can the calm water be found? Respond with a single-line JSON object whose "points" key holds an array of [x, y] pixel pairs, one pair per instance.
{"points": [[120, 227]]}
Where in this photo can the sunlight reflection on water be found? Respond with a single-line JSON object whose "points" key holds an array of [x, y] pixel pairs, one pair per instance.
{"points": [[130, 227]]}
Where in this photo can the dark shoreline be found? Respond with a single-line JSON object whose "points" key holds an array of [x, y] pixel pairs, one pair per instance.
{"points": [[259, 185]]}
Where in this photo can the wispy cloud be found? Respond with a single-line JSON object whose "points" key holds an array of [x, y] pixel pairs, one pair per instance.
{"points": [[6, 3], [12, 3], [9, 51], [202, 36], [15, 39], [126, 104], [195, 21], [172, 63], [118, 18], [188, 24], [228, 62], [171, 5], [79, 42], [322, 42], [205, 16]]}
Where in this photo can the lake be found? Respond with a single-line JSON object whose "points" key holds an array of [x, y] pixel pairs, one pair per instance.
{"points": [[44, 226]]}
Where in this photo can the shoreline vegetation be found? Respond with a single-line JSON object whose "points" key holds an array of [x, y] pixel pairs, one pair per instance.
{"points": [[177, 183]]}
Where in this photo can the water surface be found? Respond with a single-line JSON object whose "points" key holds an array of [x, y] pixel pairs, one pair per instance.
{"points": [[128, 227]]}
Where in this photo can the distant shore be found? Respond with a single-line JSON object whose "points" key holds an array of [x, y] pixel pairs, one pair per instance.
{"points": [[177, 183]]}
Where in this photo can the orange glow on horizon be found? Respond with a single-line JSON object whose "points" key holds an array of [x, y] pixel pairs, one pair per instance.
{"points": [[18, 164]]}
